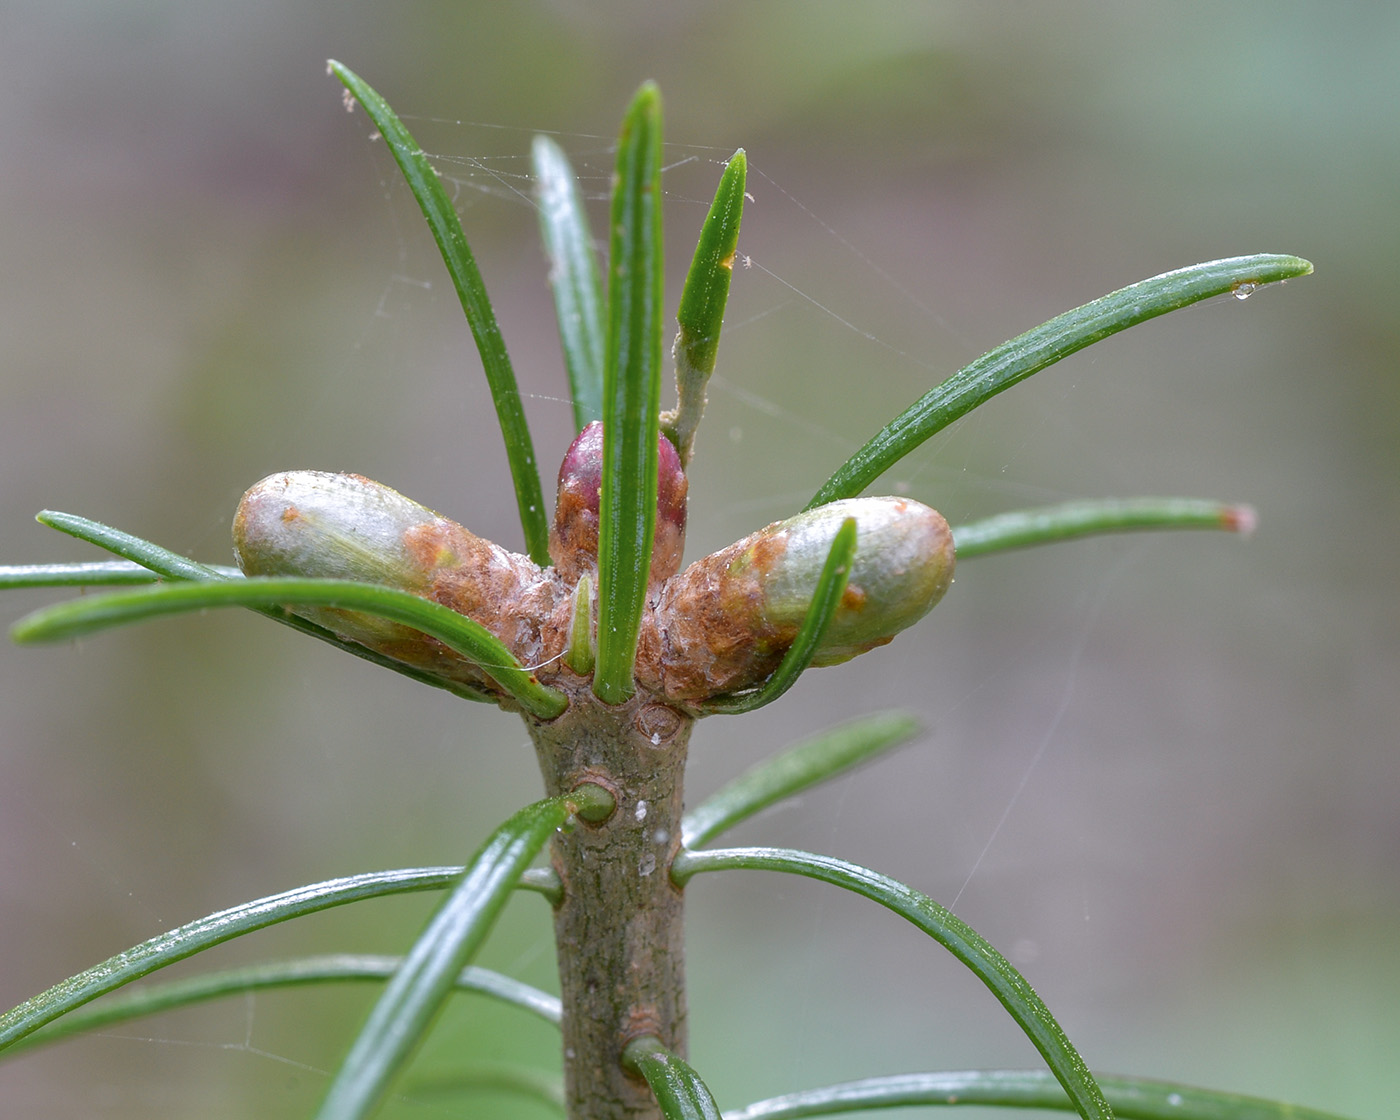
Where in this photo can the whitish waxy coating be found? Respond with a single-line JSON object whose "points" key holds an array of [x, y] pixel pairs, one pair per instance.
{"points": [[332, 526], [724, 623]]}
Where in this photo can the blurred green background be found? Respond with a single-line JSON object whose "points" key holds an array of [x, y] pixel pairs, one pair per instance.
{"points": [[1161, 772]]}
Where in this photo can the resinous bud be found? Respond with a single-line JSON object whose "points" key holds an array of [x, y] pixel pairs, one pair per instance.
{"points": [[725, 622], [345, 526], [573, 537]]}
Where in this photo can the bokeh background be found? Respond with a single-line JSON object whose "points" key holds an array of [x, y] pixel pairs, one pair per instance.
{"points": [[1160, 772]]}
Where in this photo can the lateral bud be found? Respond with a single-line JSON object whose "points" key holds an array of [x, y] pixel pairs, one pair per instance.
{"points": [[345, 526], [725, 622]]}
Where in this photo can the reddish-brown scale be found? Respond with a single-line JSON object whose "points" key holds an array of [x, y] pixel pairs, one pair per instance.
{"points": [[708, 633], [507, 593], [853, 598], [472, 576]]}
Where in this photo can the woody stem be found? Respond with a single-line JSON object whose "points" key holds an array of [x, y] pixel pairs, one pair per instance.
{"points": [[618, 925]]}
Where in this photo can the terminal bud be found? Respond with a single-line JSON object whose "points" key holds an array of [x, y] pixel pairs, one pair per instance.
{"points": [[573, 537]]}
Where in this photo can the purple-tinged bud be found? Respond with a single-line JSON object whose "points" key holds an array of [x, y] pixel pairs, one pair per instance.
{"points": [[671, 489], [573, 538], [345, 526], [725, 622]]}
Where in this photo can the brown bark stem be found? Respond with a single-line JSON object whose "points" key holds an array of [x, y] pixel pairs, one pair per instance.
{"points": [[618, 926]]}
